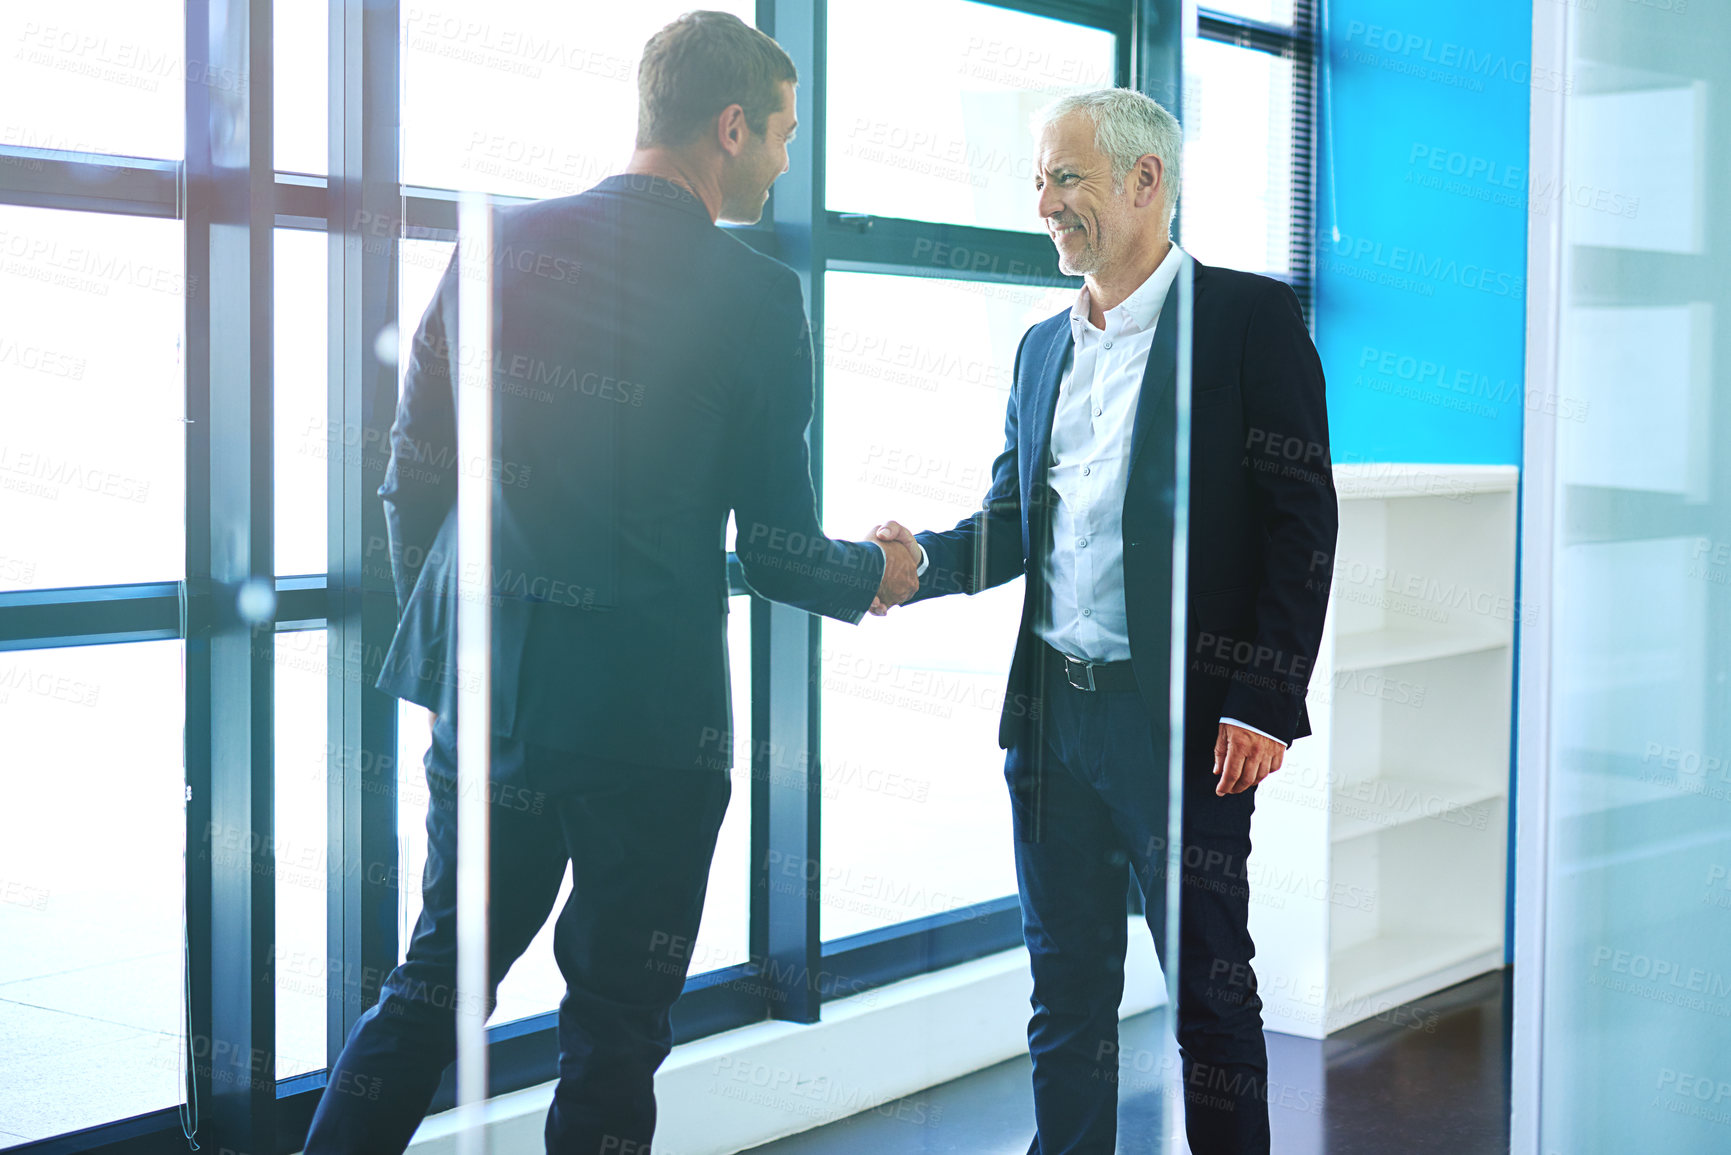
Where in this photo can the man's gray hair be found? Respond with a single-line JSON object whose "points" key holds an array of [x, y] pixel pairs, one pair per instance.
{"points": [[1127, 127]]}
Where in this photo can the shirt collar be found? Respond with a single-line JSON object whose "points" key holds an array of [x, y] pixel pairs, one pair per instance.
{"points": [[1137, 312]]}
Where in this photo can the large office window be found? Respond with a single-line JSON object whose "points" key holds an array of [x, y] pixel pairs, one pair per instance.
{"points": [[91, 434], [917, 366], [917, 372], [1247, 131], [1280, 12], [1238, 172], [304, 437], [304, 862], [301, 39], [525, 97], [946, 138], [99, 77], [91, 844], [151, 677]]}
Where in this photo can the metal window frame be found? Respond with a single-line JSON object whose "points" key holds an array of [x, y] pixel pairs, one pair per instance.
{"points": [[361, 212], [230, 660], [229, 491]]}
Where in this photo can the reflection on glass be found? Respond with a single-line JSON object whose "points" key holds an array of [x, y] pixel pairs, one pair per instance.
{"points": [[101, 76], [1236, 209], [303, 441], [301, 37], [916, 820], [92, 837], [949, 139], [92, 446], [1637, 909], [304, 867], [526, 97]]}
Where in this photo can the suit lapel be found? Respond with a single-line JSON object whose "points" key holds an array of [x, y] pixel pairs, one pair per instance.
{"points": [[1161, 374], [1037, 419]]}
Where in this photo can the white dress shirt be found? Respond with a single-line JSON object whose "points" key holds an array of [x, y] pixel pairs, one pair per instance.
{"points": [[1088, 466]]}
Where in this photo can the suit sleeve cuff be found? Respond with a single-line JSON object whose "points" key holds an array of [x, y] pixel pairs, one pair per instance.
{"points": [[1252, 729]]}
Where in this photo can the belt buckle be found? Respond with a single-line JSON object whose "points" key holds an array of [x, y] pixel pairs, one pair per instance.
{"points": [[1071, 665]]}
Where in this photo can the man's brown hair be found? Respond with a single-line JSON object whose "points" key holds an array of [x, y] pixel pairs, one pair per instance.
{"points": [[700, 64]]}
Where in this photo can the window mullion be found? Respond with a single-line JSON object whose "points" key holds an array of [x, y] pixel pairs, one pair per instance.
{"points": [[365, 220], [785, 851], [230, 651]]}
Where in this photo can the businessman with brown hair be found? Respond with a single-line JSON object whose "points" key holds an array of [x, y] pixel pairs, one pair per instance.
{"points": [[677, 386]]}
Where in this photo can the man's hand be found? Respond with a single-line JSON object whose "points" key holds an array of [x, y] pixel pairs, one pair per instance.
{"points": [[901, 567], [1242, 758]]}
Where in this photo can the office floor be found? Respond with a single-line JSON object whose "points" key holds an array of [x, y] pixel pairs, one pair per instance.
{"points": [[1432, 1076]]}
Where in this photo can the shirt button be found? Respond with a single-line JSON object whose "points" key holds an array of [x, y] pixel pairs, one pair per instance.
{"points": [[1098, 412], [1087, 613], [1085, 471], [1082, 543], [1108, 344]]}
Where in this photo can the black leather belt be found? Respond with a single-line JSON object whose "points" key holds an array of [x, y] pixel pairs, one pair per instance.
{"points": [[1110, 677]]}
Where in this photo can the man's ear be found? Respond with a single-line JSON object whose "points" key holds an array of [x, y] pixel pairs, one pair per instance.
{"points": [[731, 130], [1148, 175]]}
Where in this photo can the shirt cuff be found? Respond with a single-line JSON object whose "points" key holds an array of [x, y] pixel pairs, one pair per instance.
{"points": [[924, 560], [1252, 729]]}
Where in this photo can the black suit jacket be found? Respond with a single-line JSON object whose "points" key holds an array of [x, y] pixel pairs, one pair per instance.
{"points": [[1262, 510], [651, 373]]}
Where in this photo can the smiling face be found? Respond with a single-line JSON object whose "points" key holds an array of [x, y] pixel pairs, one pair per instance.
{"points": [[746, 177], [1092, 224]]}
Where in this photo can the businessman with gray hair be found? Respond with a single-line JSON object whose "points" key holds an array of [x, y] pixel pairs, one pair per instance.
{"points": [[1079, 499]]}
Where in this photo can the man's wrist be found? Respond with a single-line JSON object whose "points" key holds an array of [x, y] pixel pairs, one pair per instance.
{"points": [[1252, 729], [920, 549]]}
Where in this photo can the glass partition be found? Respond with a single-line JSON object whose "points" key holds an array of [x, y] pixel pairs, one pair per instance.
{"points": [[1635, 580], [152, 487]]}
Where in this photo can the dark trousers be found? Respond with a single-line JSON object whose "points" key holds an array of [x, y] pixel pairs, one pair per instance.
{"points": [[1105, 805], [639, 842]]}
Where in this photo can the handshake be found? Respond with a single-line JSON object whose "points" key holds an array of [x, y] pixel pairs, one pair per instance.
{"points": [[902, 556]]}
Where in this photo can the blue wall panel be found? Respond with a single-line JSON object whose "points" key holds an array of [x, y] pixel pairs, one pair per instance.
{"points": [[1423, 196]]}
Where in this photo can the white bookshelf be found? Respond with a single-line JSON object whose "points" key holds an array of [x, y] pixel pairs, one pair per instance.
{"points": [[1377, 873]]}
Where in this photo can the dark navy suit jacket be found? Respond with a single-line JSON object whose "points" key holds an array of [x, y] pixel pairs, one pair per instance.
{"points": [[651, 373], [1262, 510]]}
